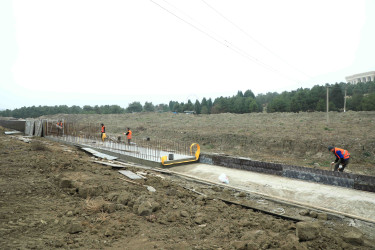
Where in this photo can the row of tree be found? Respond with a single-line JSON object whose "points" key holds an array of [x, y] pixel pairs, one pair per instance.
{"points": [[359, 97]]}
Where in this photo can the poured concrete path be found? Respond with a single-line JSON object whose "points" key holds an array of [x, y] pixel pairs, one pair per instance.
{"points": [[331, 198]]}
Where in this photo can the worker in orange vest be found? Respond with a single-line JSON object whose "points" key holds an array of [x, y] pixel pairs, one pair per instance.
{"points": [[59, 126], [103, 132], [342, 158], [129, 135]]}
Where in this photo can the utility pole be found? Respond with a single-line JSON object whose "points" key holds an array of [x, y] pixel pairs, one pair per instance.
{"points": [[345, 99], [327, 103]]}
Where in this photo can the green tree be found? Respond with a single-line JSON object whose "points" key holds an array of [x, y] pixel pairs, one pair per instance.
{"points": [[368, 102], [148, 107], [239, 93], [87, 109], [197, 107], [264, 100], [279, 104], [249, 93], [220, 105], [315, 96], [188, 106], [162, 108], [75, 109], [337, 96], [134, 107], [171, 105], [176, 107], [97, 109], [355, 102], [238, 105], [204, 110], [204, 106], [116, 109], [209, 105], [321, 105], [253, 107]]}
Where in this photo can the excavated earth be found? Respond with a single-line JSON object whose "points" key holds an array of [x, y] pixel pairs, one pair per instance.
{"points": [[55, 196]]}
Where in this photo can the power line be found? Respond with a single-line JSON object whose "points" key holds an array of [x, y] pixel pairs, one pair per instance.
{"points": [[252, 38], [225, 43]]}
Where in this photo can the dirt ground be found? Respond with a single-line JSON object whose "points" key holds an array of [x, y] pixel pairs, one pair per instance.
{"points": [[299, 139], [55, 196]]}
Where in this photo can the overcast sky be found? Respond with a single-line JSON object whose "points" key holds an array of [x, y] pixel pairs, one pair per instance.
{"points": [[92, 52]]}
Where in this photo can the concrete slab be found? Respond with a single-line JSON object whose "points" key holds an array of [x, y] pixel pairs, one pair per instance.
{"points": [[343, 200], [98, 154], [109, 164], [12, 132], [130, 174], [29, 127]]}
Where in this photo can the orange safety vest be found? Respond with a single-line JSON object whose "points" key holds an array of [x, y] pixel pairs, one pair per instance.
{"points": [[103, 129], [59, 124], [129, 134], [344, 152]]}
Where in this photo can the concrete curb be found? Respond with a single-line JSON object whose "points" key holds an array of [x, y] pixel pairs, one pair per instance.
{"points": [[353, 181]]}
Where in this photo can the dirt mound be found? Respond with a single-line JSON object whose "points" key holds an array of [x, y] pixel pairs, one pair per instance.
{"points": [[54, 196]]}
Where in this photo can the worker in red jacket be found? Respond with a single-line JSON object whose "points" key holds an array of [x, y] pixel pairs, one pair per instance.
{"points": [[342, 158]]}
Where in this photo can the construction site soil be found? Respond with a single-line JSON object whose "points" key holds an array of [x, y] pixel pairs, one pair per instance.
{"points": [[56, 196]]}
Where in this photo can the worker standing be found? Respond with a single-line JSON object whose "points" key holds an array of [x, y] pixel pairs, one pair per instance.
{"points": [[59, 126], [129, 135], [342, 158], [103, 132]]}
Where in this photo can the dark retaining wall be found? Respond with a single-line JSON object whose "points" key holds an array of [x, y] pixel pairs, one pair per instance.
{"points": [[14, 124], [354, 181]]}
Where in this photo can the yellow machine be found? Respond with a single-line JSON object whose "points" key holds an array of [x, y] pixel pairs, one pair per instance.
{"points": [[197, 153]]}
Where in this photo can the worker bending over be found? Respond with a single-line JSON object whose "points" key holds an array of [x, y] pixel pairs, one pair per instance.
{"points": [[342, 158]]}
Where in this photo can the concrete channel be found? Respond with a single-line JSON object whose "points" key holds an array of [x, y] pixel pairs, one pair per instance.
{"points": [[347, 202]]}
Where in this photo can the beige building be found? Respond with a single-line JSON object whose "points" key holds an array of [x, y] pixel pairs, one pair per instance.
{"points": [[363, 77]]}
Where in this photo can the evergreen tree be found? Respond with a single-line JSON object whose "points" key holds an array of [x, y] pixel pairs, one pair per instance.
{"points": [[188, 106], [209, 105], [337, 96], [249, 93], [197, 107], [253, 107]]}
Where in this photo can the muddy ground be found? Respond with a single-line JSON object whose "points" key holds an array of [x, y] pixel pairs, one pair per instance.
{"points": [[55, 196]]}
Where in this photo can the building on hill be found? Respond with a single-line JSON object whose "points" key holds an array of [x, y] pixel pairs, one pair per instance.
{"points": [[362, 77]]}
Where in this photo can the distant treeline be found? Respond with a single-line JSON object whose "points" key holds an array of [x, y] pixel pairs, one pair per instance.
{"points": [[360, 97]]}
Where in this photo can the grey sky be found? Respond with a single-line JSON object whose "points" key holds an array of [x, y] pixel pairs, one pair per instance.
{"points": [[117, 52]]}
